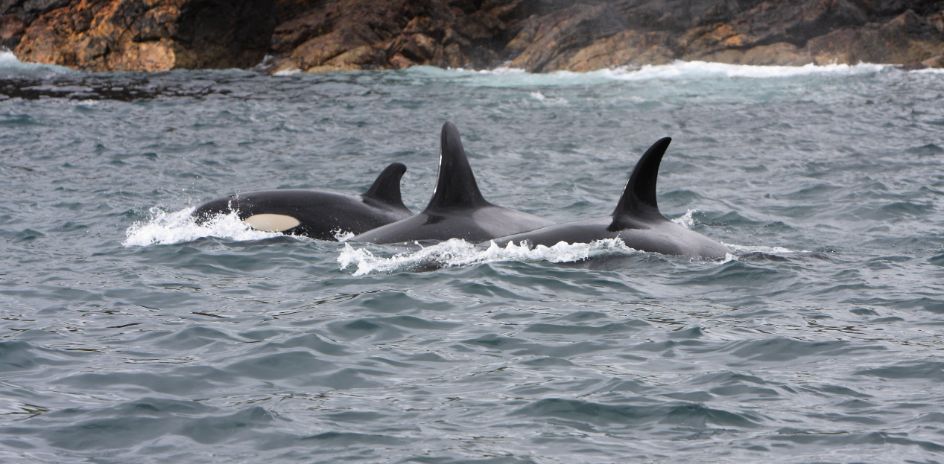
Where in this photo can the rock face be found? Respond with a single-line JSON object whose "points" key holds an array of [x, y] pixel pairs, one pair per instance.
{"points": [[537, 35], [140, 35], [358, 34]]}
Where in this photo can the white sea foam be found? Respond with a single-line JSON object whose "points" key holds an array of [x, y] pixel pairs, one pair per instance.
{"points": [[7, 57], [692, 70], [699, 69], [456, 252], [343, 235], [549, 101], [287, 72], [929, 71], [773, 250], [164, 228], [9, 62]]}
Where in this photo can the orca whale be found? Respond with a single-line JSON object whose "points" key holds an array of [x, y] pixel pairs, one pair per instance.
{"points": [[636, 220], [316, 214], [457, 208]]}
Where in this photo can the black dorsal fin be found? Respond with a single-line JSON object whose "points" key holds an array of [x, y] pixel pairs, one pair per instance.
{"points": [[386, 189], [456, 187], [639, 198]]}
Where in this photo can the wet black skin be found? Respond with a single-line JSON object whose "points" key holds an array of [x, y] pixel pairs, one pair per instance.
{"points": [[457, 208], [636, 220], [321, 214]]}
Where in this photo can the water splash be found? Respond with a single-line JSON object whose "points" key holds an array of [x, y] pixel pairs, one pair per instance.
{"points": [[343, 235], [165, 228], [686, 220], [457, 252]]}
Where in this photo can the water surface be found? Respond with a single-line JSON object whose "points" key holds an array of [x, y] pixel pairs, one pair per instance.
{"points": [[129, 333]]}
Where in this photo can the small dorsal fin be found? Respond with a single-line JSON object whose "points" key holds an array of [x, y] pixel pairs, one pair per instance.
{"points": [[456, 187], [639, 198], [386, 189]]}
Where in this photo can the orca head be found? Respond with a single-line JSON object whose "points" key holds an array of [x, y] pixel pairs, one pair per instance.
{"points": [[638, 203], [386, 189], [456, 187]]}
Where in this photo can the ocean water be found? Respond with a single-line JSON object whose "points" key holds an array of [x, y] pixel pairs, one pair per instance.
{"points": [[128, 333]]}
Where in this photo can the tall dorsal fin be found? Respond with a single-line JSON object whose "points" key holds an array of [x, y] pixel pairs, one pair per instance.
{"points": [[386, 189], [639, 198], [456, 187]]}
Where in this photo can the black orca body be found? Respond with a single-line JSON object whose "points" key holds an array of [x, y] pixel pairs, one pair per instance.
{"points": [[316, 214], [457, 208], [636, 220]]}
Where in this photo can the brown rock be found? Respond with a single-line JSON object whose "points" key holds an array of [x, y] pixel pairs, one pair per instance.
{"points": [[149, 35], [399, 61], [627, 48], [417, 47], [550, 42], [934, 62], [777, 54]]}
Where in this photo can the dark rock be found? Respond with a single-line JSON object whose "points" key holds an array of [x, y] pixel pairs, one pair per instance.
{"points": [[907, 39], [11, 29]]}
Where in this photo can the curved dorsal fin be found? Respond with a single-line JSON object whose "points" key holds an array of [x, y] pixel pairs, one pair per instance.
{"points": [[456, 187], [386, 189], [639, 198]]}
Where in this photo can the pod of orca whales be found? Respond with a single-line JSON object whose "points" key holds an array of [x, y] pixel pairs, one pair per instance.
{"points": [[457, 209]]}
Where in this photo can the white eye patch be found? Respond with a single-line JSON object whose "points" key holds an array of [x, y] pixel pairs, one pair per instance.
{"points": [[271, 222]]}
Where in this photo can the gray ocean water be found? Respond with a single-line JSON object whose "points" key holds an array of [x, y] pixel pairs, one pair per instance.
{"points": [[129, 334]]}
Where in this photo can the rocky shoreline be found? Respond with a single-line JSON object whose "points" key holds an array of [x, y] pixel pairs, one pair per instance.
{"points": [[535, 35]]}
